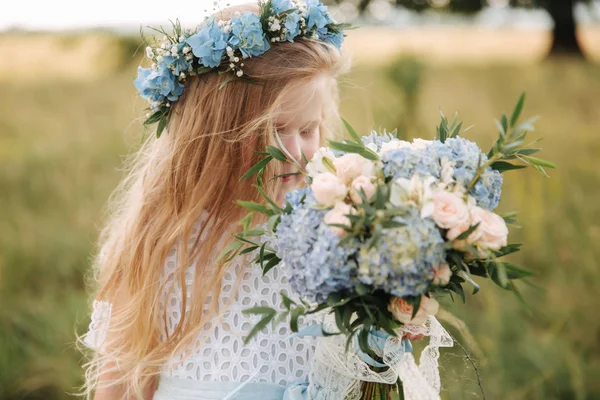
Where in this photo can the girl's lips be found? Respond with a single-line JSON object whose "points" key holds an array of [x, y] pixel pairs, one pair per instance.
{"points": [[286, 178]]}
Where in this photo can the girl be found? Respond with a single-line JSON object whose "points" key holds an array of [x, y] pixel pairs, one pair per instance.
{"points": [[167, 320]]}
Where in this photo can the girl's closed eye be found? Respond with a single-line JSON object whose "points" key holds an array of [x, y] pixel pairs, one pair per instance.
{"points": [[308, 132]]}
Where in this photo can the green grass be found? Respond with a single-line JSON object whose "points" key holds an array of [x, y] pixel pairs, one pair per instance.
{"points": [[61, 144]]}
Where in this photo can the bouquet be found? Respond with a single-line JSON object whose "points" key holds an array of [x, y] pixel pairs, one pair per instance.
{"points": [[382, 228]]}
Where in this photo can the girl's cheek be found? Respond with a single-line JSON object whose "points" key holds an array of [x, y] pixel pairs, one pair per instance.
{"points": [[312, 146]]}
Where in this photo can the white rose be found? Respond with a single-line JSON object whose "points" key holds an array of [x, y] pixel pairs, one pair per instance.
{"points": [[442, 275], [414, 191], [351, 165], [316, 166], [364, 183], [492, 232], [402, 311], [450, 210], [393, 145], [328, 189], [447, 172], [372, 147], [339, 215], [419, 144]]}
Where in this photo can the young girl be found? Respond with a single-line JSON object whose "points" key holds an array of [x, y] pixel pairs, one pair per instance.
{"points": [[167, 320]]}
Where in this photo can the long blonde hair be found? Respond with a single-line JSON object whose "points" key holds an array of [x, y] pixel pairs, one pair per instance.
{"points": [[194, 167]]}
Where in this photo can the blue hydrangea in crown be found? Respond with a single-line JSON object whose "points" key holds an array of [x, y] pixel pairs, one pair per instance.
{"points": [[217, 45]]}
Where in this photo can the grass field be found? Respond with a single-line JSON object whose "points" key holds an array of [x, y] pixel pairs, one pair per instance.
{"points": [[63, 133]]}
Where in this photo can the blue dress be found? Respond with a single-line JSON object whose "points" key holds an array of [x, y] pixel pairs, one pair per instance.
{"points": [[187, 389]]}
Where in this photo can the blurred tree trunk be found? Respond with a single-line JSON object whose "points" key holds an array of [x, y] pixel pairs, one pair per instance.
{"points": [[564, 40], [362, 6]]}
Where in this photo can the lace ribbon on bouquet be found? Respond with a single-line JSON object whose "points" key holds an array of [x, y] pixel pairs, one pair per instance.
{"points": [[337, 374]]}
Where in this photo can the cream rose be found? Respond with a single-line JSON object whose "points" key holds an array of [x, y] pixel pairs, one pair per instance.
{"points": [[339, 215], [350, 166], [420, 144], [364, 183], [328, 189], [492, 230], [449, 210], [442, 275], [393, 145], [402, 311]]}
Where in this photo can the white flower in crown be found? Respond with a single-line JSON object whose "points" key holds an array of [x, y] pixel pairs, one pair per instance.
{"points": [[275, 26], [149, 52]]}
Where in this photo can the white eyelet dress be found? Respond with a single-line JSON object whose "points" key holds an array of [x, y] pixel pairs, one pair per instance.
{"points": [[271, 367]]}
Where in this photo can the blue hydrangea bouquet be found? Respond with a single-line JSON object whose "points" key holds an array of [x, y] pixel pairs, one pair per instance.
{"points": [[385, 226]]}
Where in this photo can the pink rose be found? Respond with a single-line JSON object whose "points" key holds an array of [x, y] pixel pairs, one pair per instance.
{"points": [[339, 215], [364, 183], [402, 311], [450, 210], [328, 189], [350, 166], [442, 275], [492, 232]]}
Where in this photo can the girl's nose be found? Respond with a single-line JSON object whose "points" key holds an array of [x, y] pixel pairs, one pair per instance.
{"points": [[293, 146]]}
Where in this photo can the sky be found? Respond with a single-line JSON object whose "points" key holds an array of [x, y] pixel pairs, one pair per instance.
{"points": [[132, 14], [74, 14]]}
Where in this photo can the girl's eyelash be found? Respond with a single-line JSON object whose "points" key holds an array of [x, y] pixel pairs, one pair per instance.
{"points": [[308, 132]]}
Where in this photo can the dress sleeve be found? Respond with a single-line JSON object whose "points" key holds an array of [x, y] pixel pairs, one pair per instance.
{"points": [[94, 338]]}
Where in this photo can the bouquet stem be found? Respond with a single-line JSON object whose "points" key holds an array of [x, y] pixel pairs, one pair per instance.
{"points": [[377, 391]]}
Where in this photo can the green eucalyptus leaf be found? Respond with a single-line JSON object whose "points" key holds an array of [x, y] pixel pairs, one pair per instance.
{"points": [[260, 325], [277, 154], [351, 131], [503, 166], [296, 313], [540, 162], [272, 263], [467, 233], [252, 206], [517, 111], [257, 167], [516, 272], [248, 250], [162, 124]]}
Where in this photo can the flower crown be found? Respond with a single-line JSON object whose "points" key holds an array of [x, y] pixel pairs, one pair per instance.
{"points": [[223, 45]]}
